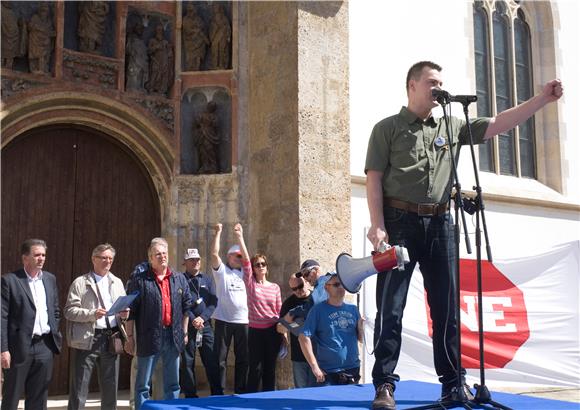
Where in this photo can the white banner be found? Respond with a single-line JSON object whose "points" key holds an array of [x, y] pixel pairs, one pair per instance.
{"points": [[531, 316]]}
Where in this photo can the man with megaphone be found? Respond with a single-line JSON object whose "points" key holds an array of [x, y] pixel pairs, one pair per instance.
{"points": [[408, 168]]}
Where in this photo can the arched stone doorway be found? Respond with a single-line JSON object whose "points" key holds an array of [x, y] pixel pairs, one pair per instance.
{"points": [[76, 187]]}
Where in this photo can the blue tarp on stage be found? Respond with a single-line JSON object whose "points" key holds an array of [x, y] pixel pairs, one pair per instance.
{"points": [[409, 394]]}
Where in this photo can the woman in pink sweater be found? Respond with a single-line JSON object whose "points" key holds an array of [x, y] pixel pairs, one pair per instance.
{"points": [[264, 303]]}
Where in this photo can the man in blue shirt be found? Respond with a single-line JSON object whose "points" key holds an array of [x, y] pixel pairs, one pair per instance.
{"points": [[336, 328], [200, 331]]}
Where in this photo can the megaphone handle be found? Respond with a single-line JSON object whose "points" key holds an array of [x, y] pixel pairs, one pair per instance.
{"points": [[383, 246]]}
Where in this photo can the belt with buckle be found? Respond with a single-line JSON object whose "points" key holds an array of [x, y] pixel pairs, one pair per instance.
{"points": [[38, 338], [433, 209]]}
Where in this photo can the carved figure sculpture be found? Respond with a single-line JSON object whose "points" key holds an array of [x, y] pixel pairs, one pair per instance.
{"points": [[10, 35], [136, 57], [160, 63], [194, 37], [40, 44], [207, 140], [92, 17], [220, 37]]}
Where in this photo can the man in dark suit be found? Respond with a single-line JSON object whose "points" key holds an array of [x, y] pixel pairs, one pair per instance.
{"points": [[30, 335]]}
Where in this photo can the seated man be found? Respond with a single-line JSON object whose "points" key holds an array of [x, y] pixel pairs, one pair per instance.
{"points": [[335, 327]]}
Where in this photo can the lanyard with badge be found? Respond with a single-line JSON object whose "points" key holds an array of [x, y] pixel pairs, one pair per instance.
{"points": [[197, 290]]}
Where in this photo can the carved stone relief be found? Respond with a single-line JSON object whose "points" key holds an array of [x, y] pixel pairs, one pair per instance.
{"points": [[160, 63], [11, 86], [27, 36], [160, 109], [194, 39], [149, 54], [206, 36], [206, 131], [90, 70], [220, 37], [90, 27]]}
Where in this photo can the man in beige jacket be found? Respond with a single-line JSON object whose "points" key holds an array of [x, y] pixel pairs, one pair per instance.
{"points": [[88, 328]]}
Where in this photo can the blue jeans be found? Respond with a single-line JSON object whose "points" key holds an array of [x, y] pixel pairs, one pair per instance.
{"points": [[145, 365], [430, 242], [303, 376]]}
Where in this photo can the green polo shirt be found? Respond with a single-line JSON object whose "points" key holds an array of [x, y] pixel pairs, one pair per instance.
{"points": [[414, 154]]}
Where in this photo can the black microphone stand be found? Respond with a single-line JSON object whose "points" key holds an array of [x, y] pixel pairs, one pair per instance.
{"points": [[482, 395], [458, 397]]}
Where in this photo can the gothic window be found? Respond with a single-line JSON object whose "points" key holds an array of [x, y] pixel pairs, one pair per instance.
{"points": [[503, 61]]}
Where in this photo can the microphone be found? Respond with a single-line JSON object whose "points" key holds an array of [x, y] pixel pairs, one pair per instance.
{"points": [[444, 97]]}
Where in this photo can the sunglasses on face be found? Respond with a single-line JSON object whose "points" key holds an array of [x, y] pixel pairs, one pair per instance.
{"points": [[236, 255], [301, 286], [260, 265], [306, 272]]}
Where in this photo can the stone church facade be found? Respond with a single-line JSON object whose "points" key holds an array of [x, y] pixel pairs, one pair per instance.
{"points": [[116, 128]]}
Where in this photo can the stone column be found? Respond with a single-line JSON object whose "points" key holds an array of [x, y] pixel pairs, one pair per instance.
{"points": [[294, 135]]}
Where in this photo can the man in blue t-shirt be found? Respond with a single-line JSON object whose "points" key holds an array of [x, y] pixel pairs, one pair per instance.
{"points": [[336, 328]]}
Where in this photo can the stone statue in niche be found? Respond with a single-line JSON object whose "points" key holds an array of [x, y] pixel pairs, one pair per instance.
{"points": [[220, 37], [40, 43], [160, 63], [92, 18], [10, 35], [195, 40], [207, 139], [136, 57]]}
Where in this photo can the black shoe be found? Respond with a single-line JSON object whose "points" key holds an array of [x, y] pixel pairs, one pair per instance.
{"points": [[384, 397], [450, 394]]}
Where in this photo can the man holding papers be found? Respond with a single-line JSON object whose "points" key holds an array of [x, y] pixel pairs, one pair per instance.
{"points": [[88, 326]]}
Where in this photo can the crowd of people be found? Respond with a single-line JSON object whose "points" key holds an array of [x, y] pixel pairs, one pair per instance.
{"points": [[171, 316]]}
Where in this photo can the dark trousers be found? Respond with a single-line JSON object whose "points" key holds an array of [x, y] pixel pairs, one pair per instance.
{"points": [[84, 361], [224, 332], [209, 359], [430, 242], [30, 377], [264, 345], [348, 376]]}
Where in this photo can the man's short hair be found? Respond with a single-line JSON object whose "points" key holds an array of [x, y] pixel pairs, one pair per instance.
{"points": [[102, 248], [156, 242], [29, 243], [416, 70]]}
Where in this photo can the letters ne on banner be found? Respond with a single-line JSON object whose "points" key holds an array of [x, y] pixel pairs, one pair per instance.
{"points": [[530, 321]]}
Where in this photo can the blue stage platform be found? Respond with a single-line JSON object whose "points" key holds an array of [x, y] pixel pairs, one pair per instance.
{"points": [[409, 394]]}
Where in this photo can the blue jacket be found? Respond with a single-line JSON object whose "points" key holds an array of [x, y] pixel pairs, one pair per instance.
{"points": [[146, 309], [202, 289]]}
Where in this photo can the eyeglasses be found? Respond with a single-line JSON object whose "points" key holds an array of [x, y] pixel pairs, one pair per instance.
{"points": [[236, 255], [306, 272], [260, 265], [335, 284], [301, 286]]}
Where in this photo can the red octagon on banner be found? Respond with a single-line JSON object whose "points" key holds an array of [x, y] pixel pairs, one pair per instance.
{"points": [[505, 319]]}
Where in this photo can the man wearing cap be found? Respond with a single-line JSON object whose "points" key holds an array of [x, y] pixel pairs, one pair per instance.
{"points": [[303, 376], [231, 313], [310, 270], [204, 302]]}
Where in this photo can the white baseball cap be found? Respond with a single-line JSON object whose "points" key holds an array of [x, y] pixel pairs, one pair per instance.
{"points": [[235, 249], [191, 253]]}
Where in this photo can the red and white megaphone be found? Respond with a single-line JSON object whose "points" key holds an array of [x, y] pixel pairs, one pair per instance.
{"points": [[352, 272]]}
